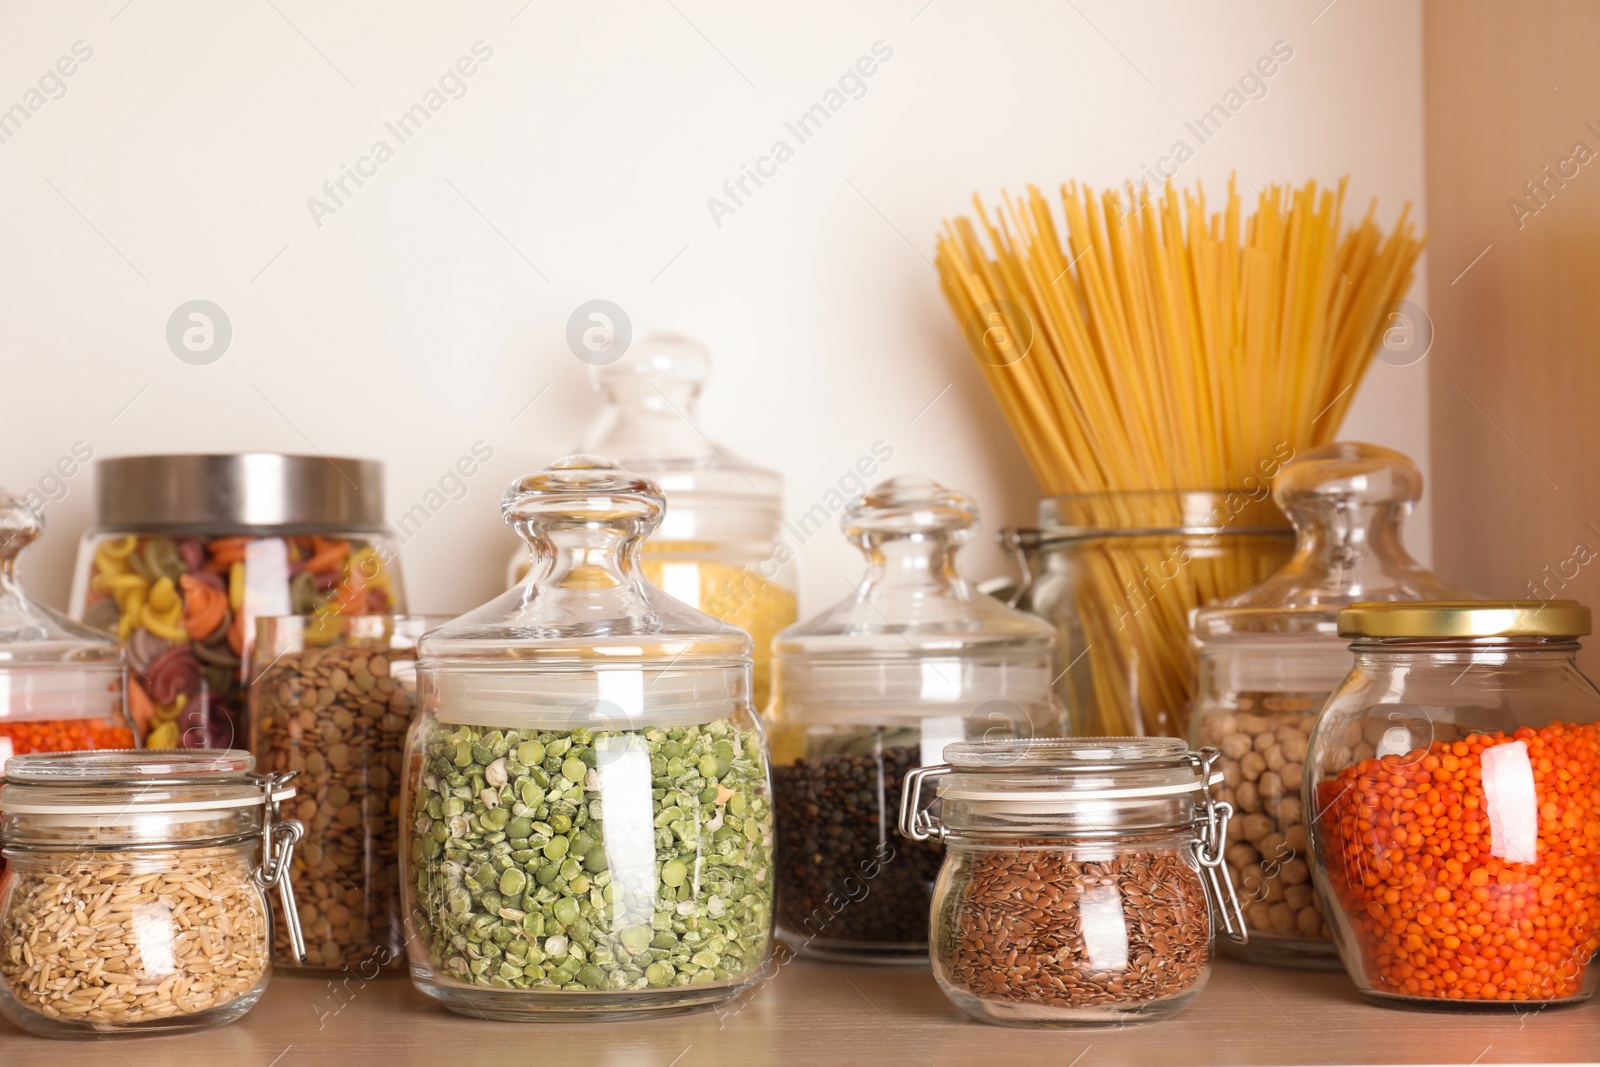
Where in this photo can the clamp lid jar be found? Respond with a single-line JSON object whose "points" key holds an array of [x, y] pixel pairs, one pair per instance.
{"points": [[877, 685], [587, 817], [135, 897], [1080, 877]]}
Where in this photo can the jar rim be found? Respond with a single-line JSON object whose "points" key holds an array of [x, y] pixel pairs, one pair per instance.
{"points": [[130, 766]]}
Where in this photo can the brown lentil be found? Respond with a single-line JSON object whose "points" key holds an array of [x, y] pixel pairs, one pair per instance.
{"points": [[339, 716], [125, 938], [1026, 924]]}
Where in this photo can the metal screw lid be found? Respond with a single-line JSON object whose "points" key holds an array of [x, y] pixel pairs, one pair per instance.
{"points": [[246, 491]]}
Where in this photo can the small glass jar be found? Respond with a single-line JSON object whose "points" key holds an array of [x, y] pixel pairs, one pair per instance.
{"points": [[186, 551], [873, 687], [1456, 779], [1080, 878], [1270, 656], [720, 547], [135, 898], [61, 684], [587, 814], [1119, 573], [332, 701]]}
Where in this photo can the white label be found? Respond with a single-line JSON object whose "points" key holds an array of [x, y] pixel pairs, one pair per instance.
{"points": [[1513, 803], [939, 732], [6, 752]]}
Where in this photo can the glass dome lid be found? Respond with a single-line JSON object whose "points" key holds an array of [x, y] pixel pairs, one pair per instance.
{"points": [[32, 635], [912, 602], [1348, 502], [585, 602], [648, 425]]}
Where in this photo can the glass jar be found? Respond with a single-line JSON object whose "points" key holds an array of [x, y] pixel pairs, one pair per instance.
{"points": [[1080, 878], [719, 547], [1119, 573], [1456, 779], [187, 551], [1270, 656], [873, 687], [587, 806], [135, 898], [331, 702]]}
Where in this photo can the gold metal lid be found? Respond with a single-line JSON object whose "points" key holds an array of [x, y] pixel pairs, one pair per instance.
{"points": [[1465, 618]]}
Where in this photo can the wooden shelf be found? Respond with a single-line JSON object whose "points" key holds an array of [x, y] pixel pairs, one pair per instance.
{"points": [[823, 1014]]}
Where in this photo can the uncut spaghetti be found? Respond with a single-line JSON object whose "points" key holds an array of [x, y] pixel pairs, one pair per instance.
{"points": [[1151, 345]]}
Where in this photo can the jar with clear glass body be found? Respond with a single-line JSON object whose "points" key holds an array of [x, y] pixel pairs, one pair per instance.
{"points": [[1080, 878], [720, 548], [587, 811], [331, 701], [878, 685], [1455, 777], [1119, 574], [187, 551], [136, 899], [1270, 656]]}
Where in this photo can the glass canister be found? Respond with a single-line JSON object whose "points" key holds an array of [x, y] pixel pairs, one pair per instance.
{"points": [[61, 684], [1119, 573], [187, 551], [1458, 857], [332, 702], [1270, 656], [1080, 877], [587, 806], [135, 898], [719, 547], [874, 687]]}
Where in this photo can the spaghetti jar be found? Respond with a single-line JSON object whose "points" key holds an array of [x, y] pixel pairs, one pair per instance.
{"points": [[1080, 877], [587, 812], [135, 901], [1270, 656], [719, 547], [187, 551], [1455, 777], [873, 688], [61, 684]]}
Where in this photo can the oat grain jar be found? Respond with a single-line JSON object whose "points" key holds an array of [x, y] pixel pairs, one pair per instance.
{"points": [[1080, 877], [135, 899]]}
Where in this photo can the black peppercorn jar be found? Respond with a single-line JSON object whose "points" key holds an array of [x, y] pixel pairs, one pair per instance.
{"points": [[872, 689], [1080, 877]]}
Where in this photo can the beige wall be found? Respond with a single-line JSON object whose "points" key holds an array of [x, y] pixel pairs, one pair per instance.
{"points": [[1511, 89], [426, 311]]}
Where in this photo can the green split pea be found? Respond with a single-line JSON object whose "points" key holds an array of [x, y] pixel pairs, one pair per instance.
{"points": [[520, 878]]}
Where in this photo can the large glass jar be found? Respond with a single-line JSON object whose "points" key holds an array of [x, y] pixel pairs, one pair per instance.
{"points": [[720, 547], [1080, 878], [332, 705], [1455, 777], [587, 812], [135, 898], [878, 685], [1120, 573], [187, 551], [1270, 656]]}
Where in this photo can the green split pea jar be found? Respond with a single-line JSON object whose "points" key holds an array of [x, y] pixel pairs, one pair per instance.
{"points": [[587, 811]]}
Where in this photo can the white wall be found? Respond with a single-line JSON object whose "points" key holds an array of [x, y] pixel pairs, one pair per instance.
{"points": [[426, 312]]}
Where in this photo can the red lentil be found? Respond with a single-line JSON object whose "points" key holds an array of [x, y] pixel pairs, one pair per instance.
{"points": [[1435, 914]]}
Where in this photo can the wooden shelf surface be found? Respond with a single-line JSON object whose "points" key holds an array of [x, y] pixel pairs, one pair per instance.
{"points": [[820, 1014]]}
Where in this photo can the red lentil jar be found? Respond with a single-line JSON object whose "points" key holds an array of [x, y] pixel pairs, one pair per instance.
{"points": [[1460, 863], [1080, 877]]}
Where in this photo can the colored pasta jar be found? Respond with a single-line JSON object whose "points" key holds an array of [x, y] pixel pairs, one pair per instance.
{"points": [[187, 551], [61, 684], [1457, 854], [1080, 879]]}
